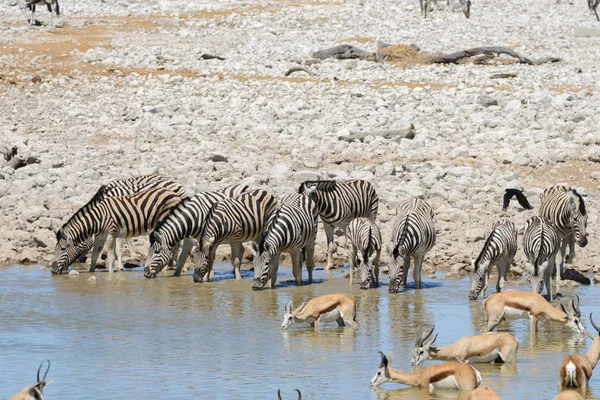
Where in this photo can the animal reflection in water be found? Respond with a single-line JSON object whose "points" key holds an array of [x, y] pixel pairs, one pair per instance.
{"points": [[35, 391], [340, 308]]}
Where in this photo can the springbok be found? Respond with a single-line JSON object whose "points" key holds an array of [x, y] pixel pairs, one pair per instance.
{"points": [[34, 392], [515, 304], [279, 394], [485, 348], [568, 395], [449, 375], [575, 371], [327, 308], [482, 393]]}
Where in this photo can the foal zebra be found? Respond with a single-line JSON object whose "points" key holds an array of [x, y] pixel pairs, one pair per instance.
{"points": [[232, 221], [292, 228], [540, 244], [112, 217], [365, 238], [499, 249], [183, 222], [339, 203], [565, 209], [413, 236]]}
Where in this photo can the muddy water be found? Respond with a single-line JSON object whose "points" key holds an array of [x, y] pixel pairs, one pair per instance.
{"points": [[124, 336]]}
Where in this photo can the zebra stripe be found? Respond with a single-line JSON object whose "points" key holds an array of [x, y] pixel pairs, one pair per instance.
{"points": [[292, 228], [123, 216], [232, 221], [540, 244], [499, 249], [339, 203], [566, 211], [184, 221], [413, 236], [365, 238], [138, 183]]}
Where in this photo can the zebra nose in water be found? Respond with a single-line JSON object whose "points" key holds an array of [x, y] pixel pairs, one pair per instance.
{"points": [[472, 296], [197, 277], [257, 285]]}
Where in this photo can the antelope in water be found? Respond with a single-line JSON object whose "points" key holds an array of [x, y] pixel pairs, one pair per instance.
{"points": [[568, 395], [482, 393], [575, 371], [34, 392], [485, 348], [449, 375], [515, 304], [328, 308]]}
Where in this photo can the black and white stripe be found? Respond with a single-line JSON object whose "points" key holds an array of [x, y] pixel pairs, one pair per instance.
{"points": [[365, 238], [413, 236], [499, 249], [52, 6], [292, 228], [540, 244], [112, 217], [566, 211], [183, 222], [232, 221], [339, 203]]}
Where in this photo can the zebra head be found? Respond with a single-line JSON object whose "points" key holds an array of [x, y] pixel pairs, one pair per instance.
{"points": [[396, 270], [579, 219], [422, 344], [201, 257], [536, 277], [66, 252], [479, 279], [366, 267], [159, 255], [264, 257]]}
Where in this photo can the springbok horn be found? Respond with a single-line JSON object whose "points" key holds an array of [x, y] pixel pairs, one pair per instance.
{"points": [[593, 324], [278, 394], [299, 394], [43, 380]]}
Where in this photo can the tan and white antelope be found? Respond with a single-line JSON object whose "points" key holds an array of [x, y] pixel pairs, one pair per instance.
{"points": [[34, 392], [449, 375], [485, 348], [515, 304], [575, 371], [482, 393], [337, 307], [568, 395]]}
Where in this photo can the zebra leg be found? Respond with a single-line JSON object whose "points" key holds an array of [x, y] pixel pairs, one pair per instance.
{"points": [[376, 269], [502, 271], [96, 250], [32, 15], [310, 261], [563, 250], [405, 272], [417, 270], [296, 267], [330, 245], [274, 265], [210, 275], [174, 254], [353, 264], [118, 254], [186, 249], [237, 254], [547, 280], [111, 252], [571, 256]]}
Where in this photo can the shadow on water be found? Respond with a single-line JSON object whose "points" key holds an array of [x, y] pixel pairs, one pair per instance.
{"points": [[186, 336]]}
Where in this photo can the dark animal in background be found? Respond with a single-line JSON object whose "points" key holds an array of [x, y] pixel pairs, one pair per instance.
{"points": [[52, 6], [510, 193]]}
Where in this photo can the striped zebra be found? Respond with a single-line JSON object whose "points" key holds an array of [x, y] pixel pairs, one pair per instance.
{"points": [[565, 209], [540, 244], [119, 187], [112, 217], [292, 228], [365, 237], [413, 236], [499, 249], [339, 203], [232, 221], [183, 222]]}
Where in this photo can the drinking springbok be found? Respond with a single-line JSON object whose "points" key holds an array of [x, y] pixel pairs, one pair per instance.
{"points": [[482, 393], [34, 392], [485, 348], [515, 304], [327, 308], [575, 371], [449, 375]]}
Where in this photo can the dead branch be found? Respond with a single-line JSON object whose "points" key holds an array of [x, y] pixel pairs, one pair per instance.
{"points": [[455, 57], [408, 133], [504, 75], [344, 52], [206, 56], [297, 69]]}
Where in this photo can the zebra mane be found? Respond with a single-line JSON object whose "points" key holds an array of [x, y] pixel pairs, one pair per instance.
{"points": [[582, 209], [369, 243], [485, 245], [208, 217], [98, 197], [270, 224], [324, 186]]}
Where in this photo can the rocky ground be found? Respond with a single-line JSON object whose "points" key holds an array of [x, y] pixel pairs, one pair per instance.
{"points": [[127, 87]]}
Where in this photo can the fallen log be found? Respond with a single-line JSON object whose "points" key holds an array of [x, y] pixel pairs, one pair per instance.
{"points": [[297, 69], [344, 52], [408, 133], [459, 55]]}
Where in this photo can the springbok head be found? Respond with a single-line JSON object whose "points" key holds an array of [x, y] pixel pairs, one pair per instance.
{"points": [[290, 314], [422, 344], [479, 278], [279, 394], [383, 373], [35, 391], [573, 318]]}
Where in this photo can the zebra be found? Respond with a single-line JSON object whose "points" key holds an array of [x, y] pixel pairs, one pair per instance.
{"points": [[291, 228], [52, 6], [566, 211], [232, 221], [540, 244], [112, 217], [499, 249], [365, 237], [339, 203], [413, 236], [183, 222], [118, 187]]}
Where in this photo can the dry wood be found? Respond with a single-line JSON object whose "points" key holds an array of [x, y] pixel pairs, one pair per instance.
{"points": [[504, 75], [297, 69], [344, 52], [408, 133], [455, 57]]}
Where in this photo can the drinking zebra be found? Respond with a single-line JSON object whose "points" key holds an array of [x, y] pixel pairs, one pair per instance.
{"points": [[232, 221], [118, 187], [365, 237], [339, 203], [112, 217], [499, 249], [540, 244], [292, 228], [413, 236], [183, 222], [565, 209]]}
